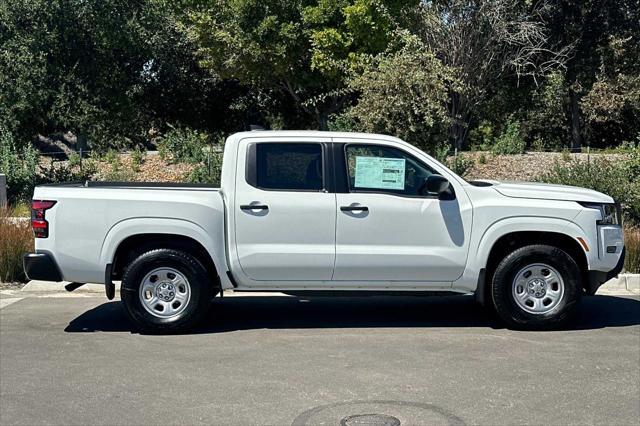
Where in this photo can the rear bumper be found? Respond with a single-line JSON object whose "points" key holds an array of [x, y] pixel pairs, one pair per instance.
{"points": [[597, 278], [41, 266]]}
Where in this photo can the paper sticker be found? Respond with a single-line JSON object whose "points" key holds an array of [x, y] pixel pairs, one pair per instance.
{"points": [[380, 173]]}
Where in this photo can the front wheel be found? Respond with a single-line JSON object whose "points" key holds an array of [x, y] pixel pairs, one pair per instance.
{"points": [[536, 287], [166, 291]]}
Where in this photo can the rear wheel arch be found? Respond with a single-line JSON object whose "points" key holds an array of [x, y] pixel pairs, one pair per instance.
{"points": [[135, 245]]}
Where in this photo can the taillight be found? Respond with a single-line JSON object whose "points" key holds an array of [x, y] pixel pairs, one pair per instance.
{"points": [[38, 223]]}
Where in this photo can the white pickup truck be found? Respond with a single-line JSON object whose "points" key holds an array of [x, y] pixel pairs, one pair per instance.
{"points": [[306, 212]]}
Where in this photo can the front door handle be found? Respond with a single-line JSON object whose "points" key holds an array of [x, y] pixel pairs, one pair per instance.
{"points": [[354, 208], [254, 207]]}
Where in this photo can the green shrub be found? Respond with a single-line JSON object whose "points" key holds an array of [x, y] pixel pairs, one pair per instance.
{"points": [[510, 141], [460, 164], [116, 172], [20, 165], [70, 172], [183, 145], [632, 245], [74, 160], [619, 179], [16, 239], [481, 137], [441, 152], [208, 171], [482, 159], [137, 158]]}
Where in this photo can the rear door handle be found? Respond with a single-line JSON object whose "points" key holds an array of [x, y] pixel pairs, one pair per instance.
{"points": [[354, 208], [254, 207]]}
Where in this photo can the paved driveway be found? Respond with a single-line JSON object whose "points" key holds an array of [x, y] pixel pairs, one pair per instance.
{"points": [[281, 360]]}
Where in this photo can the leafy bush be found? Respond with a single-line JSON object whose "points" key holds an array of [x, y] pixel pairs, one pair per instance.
{"points": [[510, 141], [117, 172], [481, 137], [632, 244], [73, 171], [137, 158], [183, 145], [208, 171], [16, 239], [460, 164], [20, 165], [620, 179]]}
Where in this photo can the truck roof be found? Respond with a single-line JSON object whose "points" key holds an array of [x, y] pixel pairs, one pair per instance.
{"points": [[310, 133]]}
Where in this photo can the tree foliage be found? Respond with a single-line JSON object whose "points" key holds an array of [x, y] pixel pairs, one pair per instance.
{"points": [[121, 72], [404, 93]]}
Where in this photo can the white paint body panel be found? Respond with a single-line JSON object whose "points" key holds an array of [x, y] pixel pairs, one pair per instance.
{"points": [[304, 241]]}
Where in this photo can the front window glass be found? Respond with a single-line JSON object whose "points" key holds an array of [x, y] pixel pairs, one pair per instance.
{"points": [[385, 169]]}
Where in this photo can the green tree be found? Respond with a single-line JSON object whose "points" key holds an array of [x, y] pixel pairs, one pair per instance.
{"points": [[302, 48], [589, 27], [404, 93], [484, 41]]}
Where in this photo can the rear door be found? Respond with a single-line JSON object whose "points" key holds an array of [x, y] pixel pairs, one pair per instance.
{"points": [[284, 216]]}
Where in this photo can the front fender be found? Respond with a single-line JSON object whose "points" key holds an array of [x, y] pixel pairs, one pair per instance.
{"points": [[524, 224], [481, 245]]}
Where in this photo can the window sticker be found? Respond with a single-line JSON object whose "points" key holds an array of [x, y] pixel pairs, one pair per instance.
{"points": [[380, 173]]}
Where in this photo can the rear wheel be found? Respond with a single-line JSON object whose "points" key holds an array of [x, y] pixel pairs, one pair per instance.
{"points": [[166, 291], [536, 287]]}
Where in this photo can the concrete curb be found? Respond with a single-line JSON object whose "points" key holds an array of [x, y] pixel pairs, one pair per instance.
{"points": [[629, 282]]}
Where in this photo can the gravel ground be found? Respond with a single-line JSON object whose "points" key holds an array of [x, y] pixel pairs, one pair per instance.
{"points": [[11, 286], [524, 167]]}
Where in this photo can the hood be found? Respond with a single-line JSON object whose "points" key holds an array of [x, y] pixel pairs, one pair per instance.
{"points": [[546, 191]]}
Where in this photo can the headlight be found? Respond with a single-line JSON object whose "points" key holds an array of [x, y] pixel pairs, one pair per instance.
{"points": [[610, 213]]}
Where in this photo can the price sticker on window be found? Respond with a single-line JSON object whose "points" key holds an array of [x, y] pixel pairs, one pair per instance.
{"points": [[380, 173]]}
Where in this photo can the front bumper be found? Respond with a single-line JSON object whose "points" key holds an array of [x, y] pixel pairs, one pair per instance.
{"points": [[41, 266], [597, 278]]}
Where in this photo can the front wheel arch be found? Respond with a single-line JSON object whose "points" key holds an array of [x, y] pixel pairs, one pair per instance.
{"points": [[514, 240]]}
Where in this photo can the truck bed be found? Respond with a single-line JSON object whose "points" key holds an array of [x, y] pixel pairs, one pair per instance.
{"points": [[91, 219]]}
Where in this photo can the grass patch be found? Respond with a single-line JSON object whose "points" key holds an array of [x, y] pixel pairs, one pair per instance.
{"points": [[632, 244], [16, 239]]}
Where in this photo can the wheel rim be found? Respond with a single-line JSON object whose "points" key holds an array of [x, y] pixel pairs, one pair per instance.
{"points": [[165, 292], [538, 288]]}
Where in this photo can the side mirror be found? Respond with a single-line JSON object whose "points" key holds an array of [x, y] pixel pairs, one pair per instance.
{"points": [[434, 184]]}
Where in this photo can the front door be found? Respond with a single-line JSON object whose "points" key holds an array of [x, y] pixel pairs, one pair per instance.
{"points": [[387, 231], [284, 217]]}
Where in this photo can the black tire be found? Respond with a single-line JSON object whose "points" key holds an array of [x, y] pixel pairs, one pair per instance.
{"points": [[201, 287], [504, 301]]}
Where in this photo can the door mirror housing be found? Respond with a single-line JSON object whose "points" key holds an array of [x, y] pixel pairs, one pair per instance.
{"points": [[435, 185]]}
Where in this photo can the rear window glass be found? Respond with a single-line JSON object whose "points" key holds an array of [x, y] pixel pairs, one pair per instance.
{"points": [[289, 166]]}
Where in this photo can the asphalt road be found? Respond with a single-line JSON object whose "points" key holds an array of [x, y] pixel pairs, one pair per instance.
{"points": [[282, 361]]}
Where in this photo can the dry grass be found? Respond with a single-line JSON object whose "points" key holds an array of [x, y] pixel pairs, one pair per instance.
{"points": [[632, 244], [16, 239]]}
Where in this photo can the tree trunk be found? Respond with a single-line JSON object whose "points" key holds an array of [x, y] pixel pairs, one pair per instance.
{"points": [[323, 121], [576, 133]]}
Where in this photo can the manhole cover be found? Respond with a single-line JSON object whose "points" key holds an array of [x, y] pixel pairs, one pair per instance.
{"points": [[370, 420], [397, 413]]}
